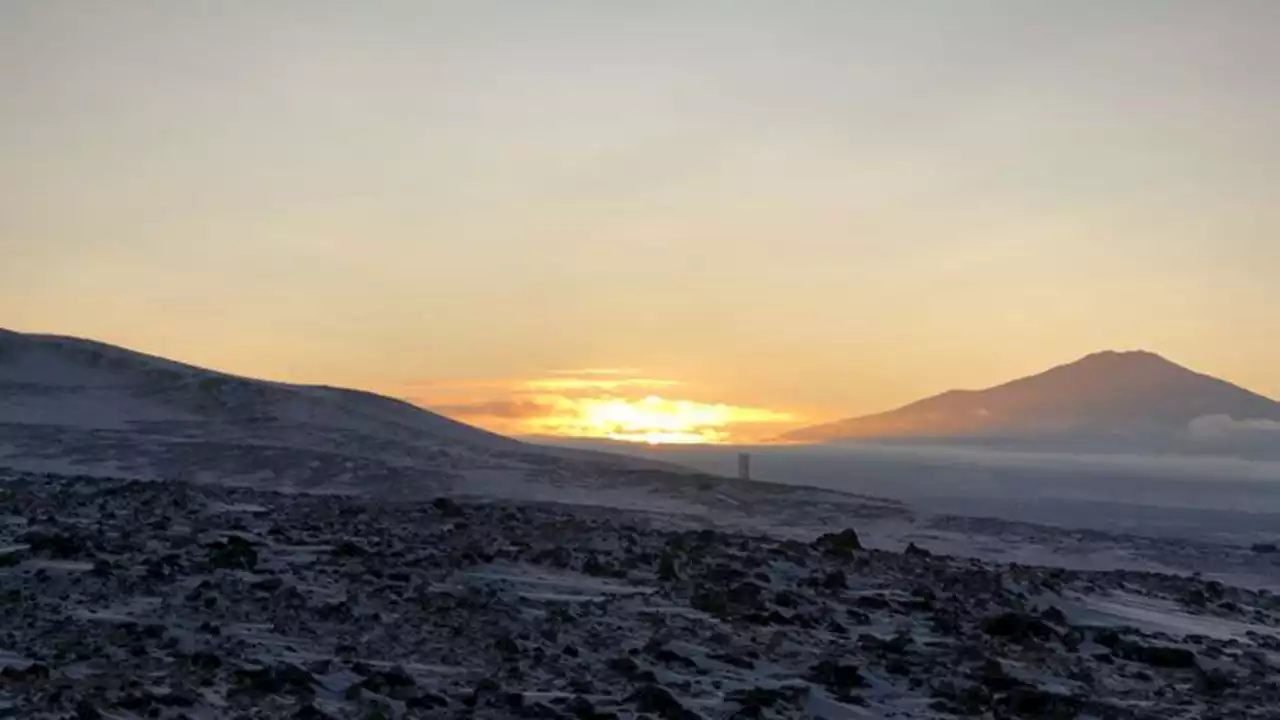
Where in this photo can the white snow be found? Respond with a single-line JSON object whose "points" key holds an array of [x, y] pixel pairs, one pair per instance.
{"points": [[544, 584], [1153, 615]]}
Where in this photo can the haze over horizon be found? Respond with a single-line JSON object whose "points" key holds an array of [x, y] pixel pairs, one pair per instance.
{"points": [[780, 213]]}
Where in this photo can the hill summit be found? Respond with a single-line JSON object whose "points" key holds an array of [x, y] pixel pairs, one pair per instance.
{"points": [[1113, 396], [74, 405]]}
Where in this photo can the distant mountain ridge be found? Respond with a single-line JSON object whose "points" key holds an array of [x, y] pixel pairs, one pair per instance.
{"points": [[1112, 397], [69, 404]]}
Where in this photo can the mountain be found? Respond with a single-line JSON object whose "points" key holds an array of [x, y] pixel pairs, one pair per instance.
{"points": [[1108, 397], [74, 405]]}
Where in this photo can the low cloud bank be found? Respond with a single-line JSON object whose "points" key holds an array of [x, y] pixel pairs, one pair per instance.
{"points": [[1212, 427]]}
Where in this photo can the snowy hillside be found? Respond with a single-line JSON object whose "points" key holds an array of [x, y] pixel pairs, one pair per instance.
{"points": [[81, 406]]}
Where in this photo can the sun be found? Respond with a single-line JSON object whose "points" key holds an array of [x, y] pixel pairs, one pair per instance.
{"points": [[610, 404], [653, 420]]}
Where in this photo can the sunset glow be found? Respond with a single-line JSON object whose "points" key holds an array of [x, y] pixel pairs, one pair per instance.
{"points": [[654, 420], [817, 210], [605, 405]]}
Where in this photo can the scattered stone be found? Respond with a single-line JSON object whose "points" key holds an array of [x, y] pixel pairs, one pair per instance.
{"points": [[1054, 615], [835, 580], [1031, 702], [841, 544], [234, 553], [656, 699], [1158, 655], [281, 678], [501, 611], [448, 508], [56, 545], [914, 550], [838, 676], [1019, 627], [348, 549], [667, 568]]}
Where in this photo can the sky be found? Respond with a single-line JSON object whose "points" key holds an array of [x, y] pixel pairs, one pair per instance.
{"points": [[772, 212]]}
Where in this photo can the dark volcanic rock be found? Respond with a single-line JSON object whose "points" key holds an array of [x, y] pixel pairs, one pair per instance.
{"points": [[234, 553], [835, 580], [1029, 702], [657, 699], [57, 545], [1018, 626], [836, 675], [914, 550], [1159, 655], [526, 610], [841, 544], [448, 508], [754, 701], [1054, 615], [282, 678]]}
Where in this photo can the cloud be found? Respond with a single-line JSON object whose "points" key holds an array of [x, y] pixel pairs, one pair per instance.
{"points": [[596, 371], [574, 384], [513, 409], [1220, 426], [563, 381], [436, 388]]}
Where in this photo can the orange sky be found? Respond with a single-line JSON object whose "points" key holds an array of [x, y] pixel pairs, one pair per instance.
{"points": [[614, 403], [801, 209]]}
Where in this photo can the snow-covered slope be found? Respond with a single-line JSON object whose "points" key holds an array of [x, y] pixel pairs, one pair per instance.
{"points": [[76, 405], [68, 381]]}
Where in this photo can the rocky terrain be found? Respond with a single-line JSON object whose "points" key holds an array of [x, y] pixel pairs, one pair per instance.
{"points": [[122, 599]]}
